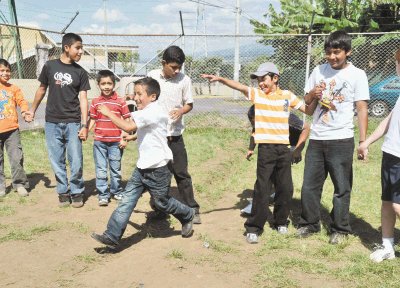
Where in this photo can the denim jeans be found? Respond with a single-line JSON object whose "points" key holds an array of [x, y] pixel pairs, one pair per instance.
{"points": [[62, 139], [107, 154], [273, 167], [323, 157], [179, 167], [12, 142], [157, 181]]}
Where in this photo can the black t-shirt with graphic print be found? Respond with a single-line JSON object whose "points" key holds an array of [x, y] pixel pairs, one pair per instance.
{"points": [[64, 82]]}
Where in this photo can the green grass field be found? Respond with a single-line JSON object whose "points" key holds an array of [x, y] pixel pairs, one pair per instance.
{"points": [[218, 167]]}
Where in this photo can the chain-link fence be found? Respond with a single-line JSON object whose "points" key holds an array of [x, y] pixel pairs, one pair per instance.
{"points": [[133, 56]]}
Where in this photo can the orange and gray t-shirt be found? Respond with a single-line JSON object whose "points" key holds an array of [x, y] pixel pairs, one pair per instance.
{"points": [[272, 112], [10, 97]]}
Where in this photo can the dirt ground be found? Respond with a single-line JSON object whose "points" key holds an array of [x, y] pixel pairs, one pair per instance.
{"points": [[153, 253]]}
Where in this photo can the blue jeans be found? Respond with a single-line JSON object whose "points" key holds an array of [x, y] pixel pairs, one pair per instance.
{"points": [[61, 139], [107, 154], [157, 181], [323, 157]]}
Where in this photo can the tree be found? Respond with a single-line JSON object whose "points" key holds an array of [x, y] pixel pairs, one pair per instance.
{"points": [[128, 60]]}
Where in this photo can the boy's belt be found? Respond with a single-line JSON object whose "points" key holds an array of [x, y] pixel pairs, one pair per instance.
{"points": [[174, 138]]}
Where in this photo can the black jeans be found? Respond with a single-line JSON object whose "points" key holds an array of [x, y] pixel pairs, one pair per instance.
{"points": [[323, 157], [179, 168], [273, 166]]}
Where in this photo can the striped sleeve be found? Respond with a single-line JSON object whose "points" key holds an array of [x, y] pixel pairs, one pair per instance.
{"points": [[125, 113], [92, 111]]}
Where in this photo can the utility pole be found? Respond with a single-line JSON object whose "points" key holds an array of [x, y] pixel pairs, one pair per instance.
{"points": [[17, 39], [237, 45], [106, 32]]}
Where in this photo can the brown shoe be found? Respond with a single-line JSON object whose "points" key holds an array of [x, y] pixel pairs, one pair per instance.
{"points": [[64, 200], [77, 200]]}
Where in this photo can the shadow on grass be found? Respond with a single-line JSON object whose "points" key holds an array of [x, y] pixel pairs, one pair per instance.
{"points": [[150, 229], [35, 178], [368, 235]]}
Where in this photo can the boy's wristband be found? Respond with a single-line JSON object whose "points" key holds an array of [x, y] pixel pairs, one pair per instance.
{"points": [[83, 125], [361, 141]]}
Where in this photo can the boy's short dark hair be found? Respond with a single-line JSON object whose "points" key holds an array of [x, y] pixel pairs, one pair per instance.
{"points": [[338, 40], [174, 54], [105, 73], [4, 62], [69, 39], [151, 86]]}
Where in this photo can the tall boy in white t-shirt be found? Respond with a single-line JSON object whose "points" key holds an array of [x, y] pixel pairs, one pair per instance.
{"points": [[151, 172], [331, 90], [390, 176]]}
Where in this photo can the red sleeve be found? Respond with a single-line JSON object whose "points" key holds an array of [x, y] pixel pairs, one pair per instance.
{"points": [[125, 110], [92, 110]]}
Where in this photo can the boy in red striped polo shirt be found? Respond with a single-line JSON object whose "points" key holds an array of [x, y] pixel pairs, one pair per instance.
{"points": [[108, 140]]}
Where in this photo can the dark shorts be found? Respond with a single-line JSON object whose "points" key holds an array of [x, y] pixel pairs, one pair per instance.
{"points": [[390, 178]]}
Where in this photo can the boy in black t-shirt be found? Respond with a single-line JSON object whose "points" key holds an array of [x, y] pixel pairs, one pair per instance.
{"points": [[66, 117]]}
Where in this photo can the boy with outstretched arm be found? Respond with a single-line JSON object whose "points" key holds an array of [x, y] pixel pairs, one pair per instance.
{"points": [[151, 172], [272, 109], [390, 176], [331, 91], [66, 117]]}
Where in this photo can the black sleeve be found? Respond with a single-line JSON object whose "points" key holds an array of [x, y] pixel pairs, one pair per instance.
{"points": [[84, 81], [43, 77]]}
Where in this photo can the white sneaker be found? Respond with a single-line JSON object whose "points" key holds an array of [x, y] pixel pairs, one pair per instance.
{"points": [[382, 253], [103, 202], [22, 191], [252, 238], [117, 197], [282, 230]]}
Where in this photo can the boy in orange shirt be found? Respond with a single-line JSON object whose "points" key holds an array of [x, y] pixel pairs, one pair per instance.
{"points": [[11, 97]]}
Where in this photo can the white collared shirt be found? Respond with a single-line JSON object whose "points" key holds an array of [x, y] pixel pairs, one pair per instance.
{"points": [[175, 93], [151, 125]]}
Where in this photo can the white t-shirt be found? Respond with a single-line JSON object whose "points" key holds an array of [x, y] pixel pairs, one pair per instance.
{"points": [[152, 136], [175, 92], [343, 87], [391, 144]]}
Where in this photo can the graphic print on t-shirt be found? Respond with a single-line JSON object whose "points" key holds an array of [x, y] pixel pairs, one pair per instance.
{"points": [[328, 96], [63, 79], [4, 105]]}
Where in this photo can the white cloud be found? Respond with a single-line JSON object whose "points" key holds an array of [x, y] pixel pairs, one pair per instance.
{"points": [[43, 16], [113, 15], [32, 24]]}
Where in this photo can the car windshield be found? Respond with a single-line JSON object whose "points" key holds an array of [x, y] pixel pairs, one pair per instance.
{"points": [[395, 84]]}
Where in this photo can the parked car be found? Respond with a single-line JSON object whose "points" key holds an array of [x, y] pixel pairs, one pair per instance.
{"points": [[383, 96]]}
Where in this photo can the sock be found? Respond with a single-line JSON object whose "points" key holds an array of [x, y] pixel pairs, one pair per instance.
{"points": [[388, 243]]}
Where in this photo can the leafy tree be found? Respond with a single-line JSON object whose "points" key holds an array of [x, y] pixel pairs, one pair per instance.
{"points": [[128, 60]]}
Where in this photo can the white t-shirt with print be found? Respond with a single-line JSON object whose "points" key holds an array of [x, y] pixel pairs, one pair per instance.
{"points": [[343, 87], [175, 93], [391, 144], [152, 136]]}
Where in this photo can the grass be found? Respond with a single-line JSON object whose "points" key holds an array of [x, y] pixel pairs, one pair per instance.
{"points": [[218, 168]]}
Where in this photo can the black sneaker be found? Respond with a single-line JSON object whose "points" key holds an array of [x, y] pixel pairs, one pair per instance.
{"points": [[305, 231], [64, 200], [104, 239], [187, 229], [196, 218], [337, 238], [77, 200]]}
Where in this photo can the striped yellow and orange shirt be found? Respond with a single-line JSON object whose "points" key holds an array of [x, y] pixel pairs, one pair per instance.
{"points": [[272, 112]]}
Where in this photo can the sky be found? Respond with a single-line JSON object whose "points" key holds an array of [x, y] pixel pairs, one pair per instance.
{"points": [[139, 17]]}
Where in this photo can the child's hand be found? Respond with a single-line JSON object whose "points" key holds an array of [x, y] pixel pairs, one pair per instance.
{"points": [[28, 116], [362, 151], [296, 156], [123, 143], [103, 109], [83, 133], [316, 92], [211, 78], [249, 154], [176, 113], [130, 137]]}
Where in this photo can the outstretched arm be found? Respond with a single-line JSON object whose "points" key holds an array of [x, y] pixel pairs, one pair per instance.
{"points": [[127, 126], [40, 92], [230, 83], [378, 133]]}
